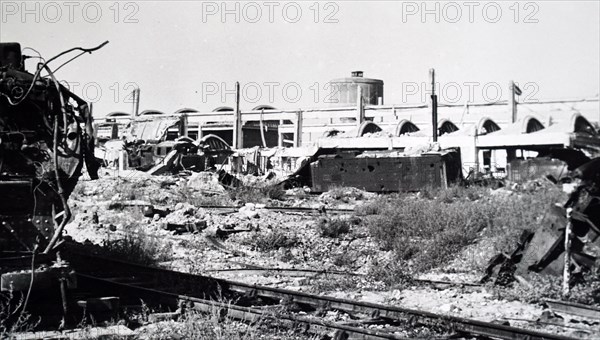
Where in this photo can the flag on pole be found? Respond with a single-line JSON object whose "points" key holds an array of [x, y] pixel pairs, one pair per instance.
{"points": [[517, 90]]}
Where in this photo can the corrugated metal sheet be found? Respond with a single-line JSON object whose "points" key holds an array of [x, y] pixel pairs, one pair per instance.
{"points": [[152, 130]]}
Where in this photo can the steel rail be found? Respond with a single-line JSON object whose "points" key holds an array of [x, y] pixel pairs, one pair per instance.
{"points": [[232, 208], [574, 309], [293, 272], [245, 314], [307, 210], [313, 273], [205, 283]]}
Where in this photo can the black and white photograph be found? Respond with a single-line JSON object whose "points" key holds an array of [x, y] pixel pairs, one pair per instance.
{"points": [[301, 170]]}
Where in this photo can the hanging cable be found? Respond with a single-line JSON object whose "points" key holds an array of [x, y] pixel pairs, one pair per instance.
{"points": [[68, 61], [66, 211], [85, 50], [34, 50], [44, 66], [30, 281]]}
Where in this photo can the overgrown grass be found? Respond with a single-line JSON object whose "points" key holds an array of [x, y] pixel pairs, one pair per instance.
{"points": [[12, 316], [336, 226], [198, 199], [429, 230], [374, 206], [392, 273], [257, 194], [216, 325], [212, 324], [426, 233], [272, 240], [136, 246]]}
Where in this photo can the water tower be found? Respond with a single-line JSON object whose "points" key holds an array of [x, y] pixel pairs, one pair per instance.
{"points": [[344, 90]]}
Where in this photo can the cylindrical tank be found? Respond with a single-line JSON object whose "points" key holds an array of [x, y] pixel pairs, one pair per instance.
{"points": [[344, 90]]}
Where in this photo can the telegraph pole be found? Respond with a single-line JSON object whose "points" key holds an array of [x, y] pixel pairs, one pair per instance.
{"points": [[360, 108], [434, 114], [237, 121], [513, 101], [511, 153], [136, 101]]}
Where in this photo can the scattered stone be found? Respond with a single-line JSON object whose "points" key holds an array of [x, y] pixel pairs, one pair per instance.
{"points": [[250, 210], [205, 182], [148, 211]]}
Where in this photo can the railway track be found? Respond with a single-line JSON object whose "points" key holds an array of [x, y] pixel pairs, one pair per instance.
{"points": [[170, 287], [574, 309], [310, 325], [307, 210]]}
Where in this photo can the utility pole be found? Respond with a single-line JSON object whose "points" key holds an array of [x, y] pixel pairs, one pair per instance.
{"points": [[183, 125], [360, 108], [513, 101], [434, 114], [136, 101], [511, 153], [298, 131], [237, 120]]}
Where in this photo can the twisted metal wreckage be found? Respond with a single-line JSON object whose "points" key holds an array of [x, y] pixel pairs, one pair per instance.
{"points": [[567, 242], [46, 138]]}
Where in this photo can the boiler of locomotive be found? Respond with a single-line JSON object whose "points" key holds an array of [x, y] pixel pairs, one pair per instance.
{"points": [[46, 138]]}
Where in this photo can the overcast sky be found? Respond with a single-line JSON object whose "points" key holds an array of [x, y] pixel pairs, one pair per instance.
{"points": [[190, 54]]}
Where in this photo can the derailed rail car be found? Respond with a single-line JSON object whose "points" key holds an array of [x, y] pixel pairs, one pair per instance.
{"points": [[386, 171]]}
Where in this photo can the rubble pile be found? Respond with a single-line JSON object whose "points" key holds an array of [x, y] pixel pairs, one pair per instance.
{"points": [[235, 228], [567, 243], [244, 235], [205, 182]]}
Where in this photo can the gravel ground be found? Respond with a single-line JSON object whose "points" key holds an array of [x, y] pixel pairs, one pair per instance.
{"points": [[118, 204]]}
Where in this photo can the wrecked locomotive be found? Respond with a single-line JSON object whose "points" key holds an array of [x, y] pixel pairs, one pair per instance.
{"points": [[46, 138]]}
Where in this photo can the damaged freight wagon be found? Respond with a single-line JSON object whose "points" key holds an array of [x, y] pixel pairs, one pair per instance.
{"points": [[379, 171]]}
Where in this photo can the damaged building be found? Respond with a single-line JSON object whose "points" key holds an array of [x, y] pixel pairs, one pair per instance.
{"points": [[500, 139]]}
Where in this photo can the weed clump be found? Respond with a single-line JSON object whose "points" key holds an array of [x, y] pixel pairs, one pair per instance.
{"points": [[375, 206], [137, 247], [217, 325], [199, 199], [391, 273], [257, 194], [334, 227], [13, 316], [272, 240]]}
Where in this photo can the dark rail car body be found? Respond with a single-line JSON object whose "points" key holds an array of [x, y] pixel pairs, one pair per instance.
{"points": [[386, 171]]}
